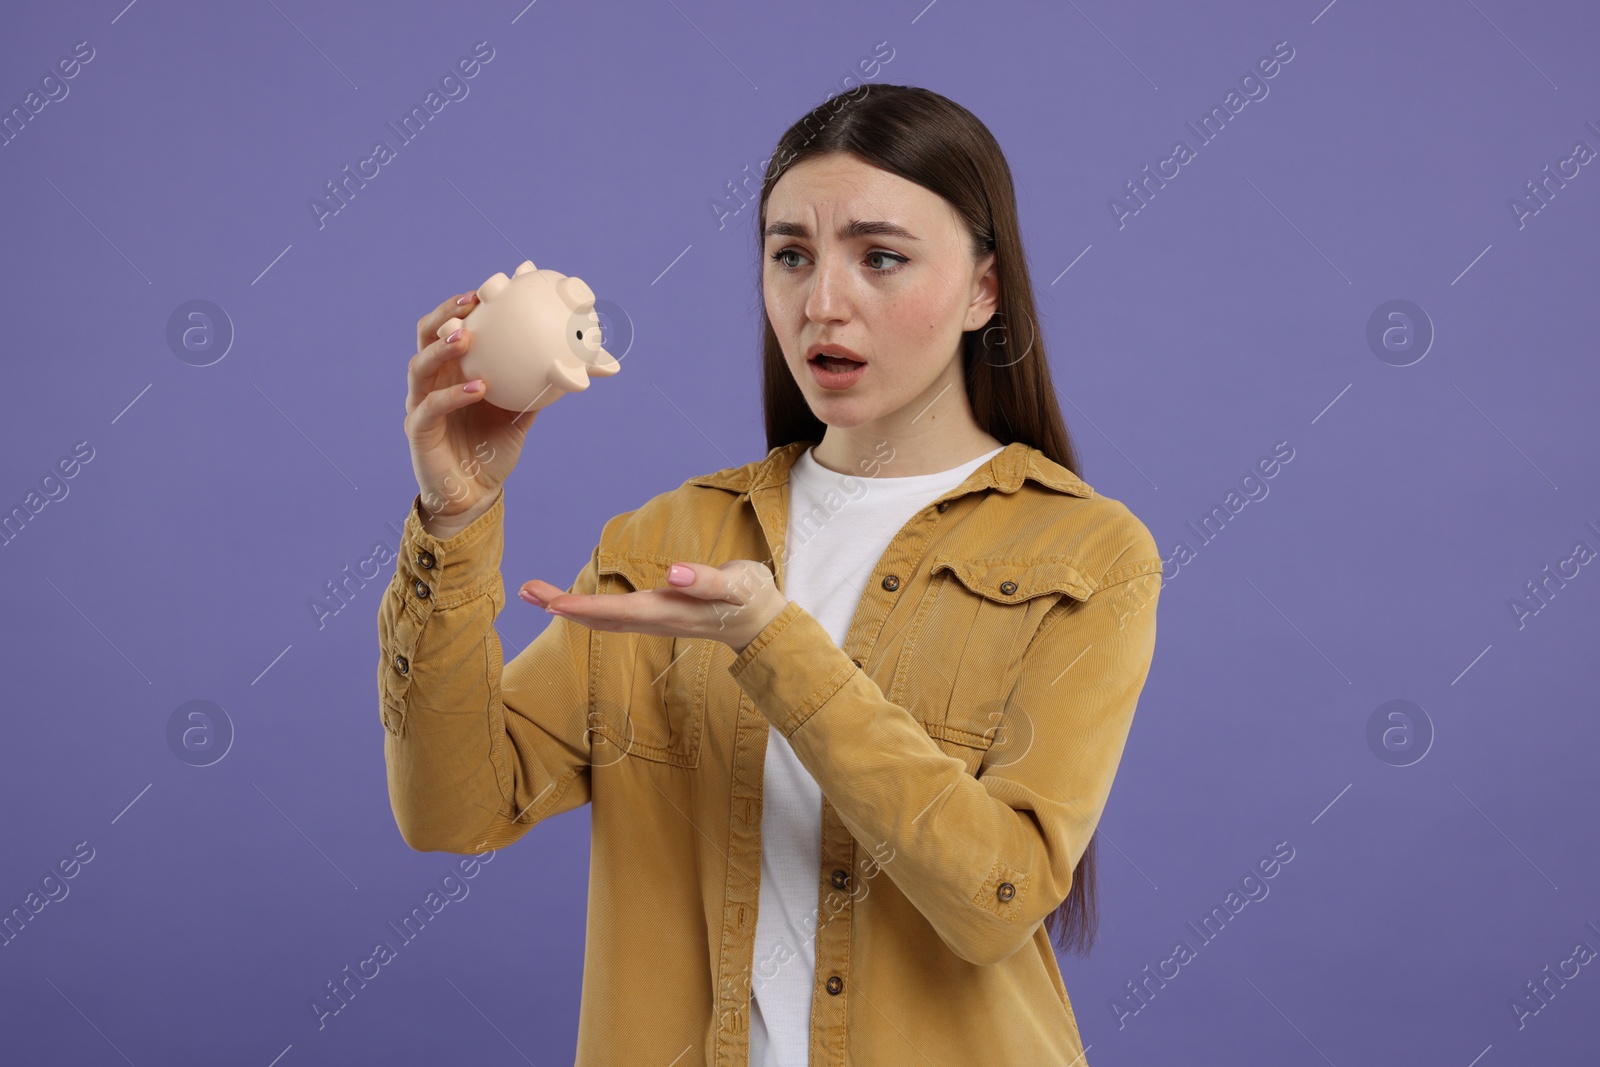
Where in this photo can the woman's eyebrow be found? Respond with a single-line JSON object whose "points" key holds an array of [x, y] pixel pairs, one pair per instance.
{"points": [[857, 228]]}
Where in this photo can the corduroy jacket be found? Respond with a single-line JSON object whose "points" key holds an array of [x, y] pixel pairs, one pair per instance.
{"points": [[965, 739]]}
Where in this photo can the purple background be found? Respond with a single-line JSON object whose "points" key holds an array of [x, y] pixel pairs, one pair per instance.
{"points": [[1228, 315]]}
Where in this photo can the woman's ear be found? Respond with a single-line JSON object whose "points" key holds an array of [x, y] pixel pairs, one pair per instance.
{"points": [[986, 299]]}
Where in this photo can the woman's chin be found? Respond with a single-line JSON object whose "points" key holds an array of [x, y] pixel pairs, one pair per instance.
{"points": [[845, 413]]}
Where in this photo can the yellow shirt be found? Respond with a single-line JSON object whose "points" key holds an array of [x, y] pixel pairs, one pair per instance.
{"points": [[965, 739]]}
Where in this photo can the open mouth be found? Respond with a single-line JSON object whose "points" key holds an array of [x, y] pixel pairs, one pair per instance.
{"points": [[834, 370]]}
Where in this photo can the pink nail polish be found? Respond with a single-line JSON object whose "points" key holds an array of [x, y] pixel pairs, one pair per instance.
{"points": [[460, 300], [452, 338]]}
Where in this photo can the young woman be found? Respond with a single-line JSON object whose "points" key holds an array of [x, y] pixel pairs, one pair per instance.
{"points": [[847, 715]]}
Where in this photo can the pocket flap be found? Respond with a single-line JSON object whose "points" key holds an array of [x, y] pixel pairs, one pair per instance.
{"points": [[1012, 581], [640, 573]]}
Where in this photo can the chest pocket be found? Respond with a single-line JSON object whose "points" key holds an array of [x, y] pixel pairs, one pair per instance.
{"points": [[648, 691], [965, 651]]}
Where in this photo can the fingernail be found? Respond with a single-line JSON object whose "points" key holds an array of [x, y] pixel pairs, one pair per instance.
{"points": [[465, 299], [679, 575], [474, 386], [452, 338]]}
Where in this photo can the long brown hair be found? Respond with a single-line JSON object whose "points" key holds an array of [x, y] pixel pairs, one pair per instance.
{"points": [[931, 140]]}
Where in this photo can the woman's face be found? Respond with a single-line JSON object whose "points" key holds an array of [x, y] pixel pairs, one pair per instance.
{"points": [[858, 257]]}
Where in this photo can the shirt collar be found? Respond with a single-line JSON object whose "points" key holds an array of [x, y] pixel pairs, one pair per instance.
{"points": [[1006, 472]]}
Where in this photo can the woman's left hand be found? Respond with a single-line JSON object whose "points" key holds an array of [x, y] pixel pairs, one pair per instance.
{"points": [[731, 603]]}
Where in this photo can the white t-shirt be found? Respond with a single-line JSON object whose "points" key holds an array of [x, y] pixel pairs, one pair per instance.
{"points": [[839, 527]]}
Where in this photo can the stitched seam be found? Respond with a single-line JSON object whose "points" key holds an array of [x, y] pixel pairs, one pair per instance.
{"points": [[956, 735], [643, 749], [456, 599], [480, 528], [1074, 561], [497, 721], [559, 790], [987, 899], [1131, 570], [779, 623], [811, 704], [908, 647]]}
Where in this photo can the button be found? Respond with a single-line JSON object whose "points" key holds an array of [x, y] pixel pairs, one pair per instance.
{"points": [[402, 664], [1008, 588], [891, 583], [835, 985], [425, 560], [1006, 891], [944, 505], [841, 879], [422, 589]]}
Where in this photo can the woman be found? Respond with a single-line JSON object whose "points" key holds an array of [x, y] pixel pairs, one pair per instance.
{"points": [[847, 715]]}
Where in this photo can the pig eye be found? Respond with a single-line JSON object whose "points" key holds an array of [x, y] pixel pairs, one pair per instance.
{"points": [[580, 335]]}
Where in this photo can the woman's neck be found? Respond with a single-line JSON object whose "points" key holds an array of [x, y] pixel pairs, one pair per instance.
{"points": [[867, 452]]}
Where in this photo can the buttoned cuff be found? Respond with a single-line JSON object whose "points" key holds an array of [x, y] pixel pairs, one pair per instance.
{"points": [[791, 668], [457, 568]]}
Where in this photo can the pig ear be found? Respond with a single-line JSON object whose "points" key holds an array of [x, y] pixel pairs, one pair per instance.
{"points": [[565, 375], [526, 267], [575, 293], [489, 289]]}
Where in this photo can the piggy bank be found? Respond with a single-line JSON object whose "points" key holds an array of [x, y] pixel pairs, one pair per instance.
{"points": [[535, 338]]}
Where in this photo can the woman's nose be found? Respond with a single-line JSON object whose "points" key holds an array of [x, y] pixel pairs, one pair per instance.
{"points": [[828, 300]]}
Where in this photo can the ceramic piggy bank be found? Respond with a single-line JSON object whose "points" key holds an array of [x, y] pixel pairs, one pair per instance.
{"points": [[535, 337]]}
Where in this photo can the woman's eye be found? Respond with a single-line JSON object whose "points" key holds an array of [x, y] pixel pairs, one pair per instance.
{"points": [[873, 260], [886, 255]]}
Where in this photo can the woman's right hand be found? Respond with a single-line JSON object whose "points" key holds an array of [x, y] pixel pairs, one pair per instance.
{"points": [[461, 448]]}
